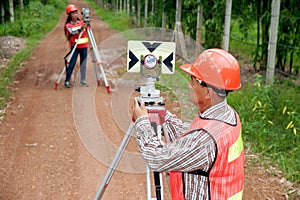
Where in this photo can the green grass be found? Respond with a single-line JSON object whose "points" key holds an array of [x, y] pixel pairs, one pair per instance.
{"points": [[271, 123], [36, 21]]}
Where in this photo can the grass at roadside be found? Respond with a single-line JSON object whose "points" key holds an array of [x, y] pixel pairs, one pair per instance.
{"points": [[35, 22], [271, 123]]}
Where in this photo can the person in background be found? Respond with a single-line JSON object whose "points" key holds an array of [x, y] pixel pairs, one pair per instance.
{"points": [[72, 28], [205, 158]]}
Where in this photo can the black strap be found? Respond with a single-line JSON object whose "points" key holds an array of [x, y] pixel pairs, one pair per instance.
{"points": [[199, 172], [65, 58], [157, 185]]}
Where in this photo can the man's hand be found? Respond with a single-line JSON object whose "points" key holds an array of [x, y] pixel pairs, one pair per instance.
{"points": [[139, 111]]}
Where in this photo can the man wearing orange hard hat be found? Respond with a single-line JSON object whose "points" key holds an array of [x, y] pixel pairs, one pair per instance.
{"points": [[205, 158]]}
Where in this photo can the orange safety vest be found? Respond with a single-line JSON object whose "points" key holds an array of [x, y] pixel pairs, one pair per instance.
{"points": [[83, 41], [226, 177]]}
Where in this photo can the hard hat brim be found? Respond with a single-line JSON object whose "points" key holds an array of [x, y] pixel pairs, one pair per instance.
{"points": [[190, 69], [186, 68]]}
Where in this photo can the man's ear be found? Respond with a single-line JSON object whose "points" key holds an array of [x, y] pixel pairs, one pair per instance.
{"points": [[210, 92]]}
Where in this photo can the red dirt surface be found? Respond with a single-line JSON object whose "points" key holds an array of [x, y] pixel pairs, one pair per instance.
{"points": [[43, 156]]}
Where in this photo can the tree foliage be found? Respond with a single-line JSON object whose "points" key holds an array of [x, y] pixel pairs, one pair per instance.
{"points": [[252, 16], [4, 7]]}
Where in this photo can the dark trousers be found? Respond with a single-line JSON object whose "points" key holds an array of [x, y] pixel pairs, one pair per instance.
{"points": [[83, 55]]}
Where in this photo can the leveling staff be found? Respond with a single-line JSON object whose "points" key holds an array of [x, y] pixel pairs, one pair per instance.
{"points": [[205, 158], [73, 27]]}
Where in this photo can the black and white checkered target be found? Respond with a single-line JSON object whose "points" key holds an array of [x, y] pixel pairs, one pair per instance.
{"points": [[145, 51]]}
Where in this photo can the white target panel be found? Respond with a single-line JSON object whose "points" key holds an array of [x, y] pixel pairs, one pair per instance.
{"points": [[140, 50]]}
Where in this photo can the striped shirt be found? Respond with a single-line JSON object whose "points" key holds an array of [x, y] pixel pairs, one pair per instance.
{"points": [[194, 151]]}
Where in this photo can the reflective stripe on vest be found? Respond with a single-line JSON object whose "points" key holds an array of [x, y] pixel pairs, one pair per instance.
{"points": [[236, 149], [237, 196], [82, 40], [76, 27]]}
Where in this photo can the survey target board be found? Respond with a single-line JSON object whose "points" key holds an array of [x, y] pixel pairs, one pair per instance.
{"points": [[144, 51]]}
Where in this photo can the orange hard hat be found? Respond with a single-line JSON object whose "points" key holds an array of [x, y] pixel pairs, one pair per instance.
{"points": [[217, 68], [70, 8]]}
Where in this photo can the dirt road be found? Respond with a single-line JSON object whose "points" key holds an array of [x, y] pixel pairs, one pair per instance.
{"points": [[42, 152]]}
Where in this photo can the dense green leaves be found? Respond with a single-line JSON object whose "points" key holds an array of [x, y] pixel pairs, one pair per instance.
{"points": [[250, 22], [32, 20]]}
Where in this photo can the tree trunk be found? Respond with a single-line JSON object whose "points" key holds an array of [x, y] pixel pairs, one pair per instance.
{"points": [[128, 7], [273, 41], [146, 13], [178, 10], [295, 42], [139, 12], [179, 36], [11, 11], [153, 12], [256, 56], [291, 62], [133, 12], [21, 5], [199, 23], [265, 35], [227, 25], [2, 13], [164, 16]]}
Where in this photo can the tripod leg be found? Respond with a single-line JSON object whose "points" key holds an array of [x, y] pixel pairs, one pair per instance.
{"points": [[148, 182], [96, 73], [60, 77], [98, 59], [95, 66], [161, 185], [110, 171]]}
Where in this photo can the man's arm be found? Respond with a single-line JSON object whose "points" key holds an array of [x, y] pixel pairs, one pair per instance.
{"points": [[175, 126], [194, 151]]}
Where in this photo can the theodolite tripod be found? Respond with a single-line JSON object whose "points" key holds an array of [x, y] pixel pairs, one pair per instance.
{"points": [[156, 113]]}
